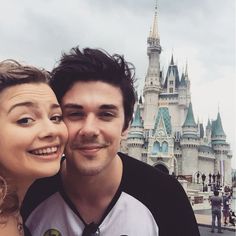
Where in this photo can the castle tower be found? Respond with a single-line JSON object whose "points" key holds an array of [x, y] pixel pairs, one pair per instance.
{"points": [[135, 137], [208, 132], [184, 89], [221, 150], [152, 84], [189, 143]]}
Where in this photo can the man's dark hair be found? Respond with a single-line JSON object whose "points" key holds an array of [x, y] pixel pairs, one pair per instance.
{"points": [[95, 65], [216, 193]]}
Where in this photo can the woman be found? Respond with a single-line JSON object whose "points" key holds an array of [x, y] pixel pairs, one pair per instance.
{"points": [[32, 137]]}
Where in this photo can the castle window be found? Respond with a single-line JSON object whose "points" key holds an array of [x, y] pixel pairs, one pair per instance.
{"points": [[171, 90], [165, 147], [156, 148], [171, 82]]}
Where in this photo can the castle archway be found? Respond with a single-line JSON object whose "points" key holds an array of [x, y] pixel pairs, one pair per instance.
{"points": [[162, 168]]}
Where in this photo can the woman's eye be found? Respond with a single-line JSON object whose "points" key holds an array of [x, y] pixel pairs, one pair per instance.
{"points": [[57, 118], [25, 121]]}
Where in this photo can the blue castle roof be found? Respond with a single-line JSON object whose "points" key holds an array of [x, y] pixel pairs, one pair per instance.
{"points": [[217, 129], [189, 121], [164, 113], [137, 122]]}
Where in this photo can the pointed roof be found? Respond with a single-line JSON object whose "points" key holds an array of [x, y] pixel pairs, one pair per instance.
{"points": [[201, 129], [208, 124], [186, 70], [172, 69], [182, 81], [154, 29], [217, 128], [163, 112], [140, 100], [137, 122], [189, 121], [172, 60]]}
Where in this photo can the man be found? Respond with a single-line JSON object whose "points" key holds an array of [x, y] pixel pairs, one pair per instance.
{"points": [[99, 191], [216, 202]]}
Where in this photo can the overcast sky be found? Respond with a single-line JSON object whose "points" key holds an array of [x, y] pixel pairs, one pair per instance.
{"points": [[199, 32]]}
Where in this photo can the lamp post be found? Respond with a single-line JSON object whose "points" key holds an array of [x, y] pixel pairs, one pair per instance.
{"points": [[203, 181], [198, 174], [214, 181], [210, 179], [218, 180]]}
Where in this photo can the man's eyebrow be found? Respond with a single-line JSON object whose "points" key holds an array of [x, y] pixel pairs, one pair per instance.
{"points": [[78, 106], [108, 107], [72, 106]]}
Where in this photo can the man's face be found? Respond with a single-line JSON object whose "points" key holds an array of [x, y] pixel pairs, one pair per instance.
{"points": [[94, 115]]}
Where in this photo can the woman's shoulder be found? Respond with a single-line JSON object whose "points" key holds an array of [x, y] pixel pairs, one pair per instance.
{"points": [[11, 226]]}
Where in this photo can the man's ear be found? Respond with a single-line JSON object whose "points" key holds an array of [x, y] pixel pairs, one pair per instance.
{"points": [[124, 133]]}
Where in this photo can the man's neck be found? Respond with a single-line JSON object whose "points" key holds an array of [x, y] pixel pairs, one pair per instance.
{"points": [[91, 195]]}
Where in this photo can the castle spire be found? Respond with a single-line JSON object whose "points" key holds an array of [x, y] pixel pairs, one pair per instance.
{"points": [[152, 85], [217, 127], [190, 121], [172, 60], [154, 31], [186, 70], [137, 122]]}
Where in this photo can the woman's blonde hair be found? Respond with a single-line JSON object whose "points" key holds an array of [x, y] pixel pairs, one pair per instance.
{"points": [[13, 73], [9, 202]]}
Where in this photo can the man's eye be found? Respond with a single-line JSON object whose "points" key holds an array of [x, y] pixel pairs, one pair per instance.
{"points": [[25, 121], [75, 114], [57, 118], [107, 115]]}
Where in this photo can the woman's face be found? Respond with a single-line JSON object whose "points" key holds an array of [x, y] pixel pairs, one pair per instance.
{"points": [[32, 133]]}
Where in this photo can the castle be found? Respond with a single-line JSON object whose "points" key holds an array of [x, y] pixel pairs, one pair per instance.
{"points": [[164, 132]]}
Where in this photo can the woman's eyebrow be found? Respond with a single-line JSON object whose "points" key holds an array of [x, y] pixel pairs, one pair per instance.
{"points": [[22, 104], [32, 105]]}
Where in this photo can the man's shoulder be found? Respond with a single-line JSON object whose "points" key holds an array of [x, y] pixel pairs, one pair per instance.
{"points": [[146, 182], [156, 191], [136, 170]]}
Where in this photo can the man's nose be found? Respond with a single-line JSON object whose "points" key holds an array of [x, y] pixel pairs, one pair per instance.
{"points": [[89, 127]]}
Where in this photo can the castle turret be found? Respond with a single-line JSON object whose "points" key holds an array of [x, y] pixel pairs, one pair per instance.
{"points": [[184, 89], [189, 143], [208, 132], [135, 137], [187, 81], [221, 150], [172, 78], [152, 86]]}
